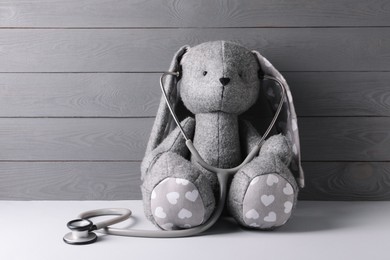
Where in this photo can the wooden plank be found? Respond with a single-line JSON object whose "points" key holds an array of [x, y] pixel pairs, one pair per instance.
{"points": [[323, 139], [73, 138], [293, 49], [138, 94], [345, 138], [187, 13], [121, 180], [346, 181], [340, 93], [78, 94], [69, 181]]}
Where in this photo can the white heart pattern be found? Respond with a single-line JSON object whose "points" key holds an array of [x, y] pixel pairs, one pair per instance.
{"points": [[159, 212], [271, 179], [252, 214], [271, 217], [267, 199], [288, 190], [173, 197], [167, 226], [287, 207], [184, 213], [294, 148], [294, 124], [192, 195], [182, 181]]}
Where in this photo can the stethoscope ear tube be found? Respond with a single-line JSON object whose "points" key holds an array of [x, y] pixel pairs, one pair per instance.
{"points": [[82, 228]]}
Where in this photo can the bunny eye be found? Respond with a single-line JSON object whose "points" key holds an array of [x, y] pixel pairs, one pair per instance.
{"points": [[204, 73], [240, 74]]}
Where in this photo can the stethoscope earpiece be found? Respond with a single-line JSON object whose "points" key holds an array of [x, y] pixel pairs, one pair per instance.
{"points": [[82, 228]]}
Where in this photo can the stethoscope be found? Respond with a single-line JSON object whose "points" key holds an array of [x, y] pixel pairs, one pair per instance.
{"points": [[82, 228]]}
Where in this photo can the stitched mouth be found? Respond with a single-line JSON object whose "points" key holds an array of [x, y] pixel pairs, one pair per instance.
{"points": [[222, 97]]}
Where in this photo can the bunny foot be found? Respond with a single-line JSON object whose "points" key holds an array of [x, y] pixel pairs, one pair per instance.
{"points": [[176, 204], [176, 195], [268, 202], [263, 194]]}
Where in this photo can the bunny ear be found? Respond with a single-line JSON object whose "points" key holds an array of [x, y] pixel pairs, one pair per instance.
{"points": [[287, 120], [162, 123]]}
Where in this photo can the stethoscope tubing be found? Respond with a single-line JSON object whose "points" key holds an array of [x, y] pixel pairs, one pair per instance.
{"points": [[222, 178], [222, 175]]}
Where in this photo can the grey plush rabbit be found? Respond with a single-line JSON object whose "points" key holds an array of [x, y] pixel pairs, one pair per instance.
{"points": [[219, 82]]}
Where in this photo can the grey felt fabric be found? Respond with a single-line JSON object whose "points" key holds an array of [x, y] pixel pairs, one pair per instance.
{"points": [[287, 123], [219, 82], [163, 119], [249, 137], [205, 93], [268, 162], [174, 142]]}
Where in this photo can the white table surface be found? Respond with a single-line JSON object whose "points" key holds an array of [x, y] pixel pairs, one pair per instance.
{"points": [[318, 230]]}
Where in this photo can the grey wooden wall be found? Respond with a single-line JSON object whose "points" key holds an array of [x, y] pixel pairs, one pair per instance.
{"points": [[79, 91]]}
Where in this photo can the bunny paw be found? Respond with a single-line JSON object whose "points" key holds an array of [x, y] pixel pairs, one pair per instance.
{"points": [[177, 204], [268, 202]]}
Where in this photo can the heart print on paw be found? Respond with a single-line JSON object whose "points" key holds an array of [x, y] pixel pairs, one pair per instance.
{"points": [[268, 202], [176, 204]]}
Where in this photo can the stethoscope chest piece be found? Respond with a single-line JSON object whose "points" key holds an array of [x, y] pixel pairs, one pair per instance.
{"points": [[82, 228], [81, 232]]}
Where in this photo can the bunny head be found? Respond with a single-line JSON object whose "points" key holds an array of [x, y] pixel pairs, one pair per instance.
{"points": [[223, 76], [219, 76]]}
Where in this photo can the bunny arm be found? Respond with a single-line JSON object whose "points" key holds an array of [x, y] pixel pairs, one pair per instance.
{"points": [[249, 137], [174, 142], [277, 144]]}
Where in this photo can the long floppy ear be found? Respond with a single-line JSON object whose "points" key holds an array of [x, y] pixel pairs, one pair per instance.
{"points": [[161, 125], [287, 120]]}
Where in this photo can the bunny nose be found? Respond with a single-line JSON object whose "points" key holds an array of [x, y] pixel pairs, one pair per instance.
{"points": [[224, 81]]}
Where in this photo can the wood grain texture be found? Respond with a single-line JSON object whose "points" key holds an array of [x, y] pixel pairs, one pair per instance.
{"points": [[322, 139], [133, 50], [340, 93], [121, 180], [346, 181], [79, 88], [138, 94], [188, 13], [79, 94], [73, 138], [345, 139], [69, 181]]}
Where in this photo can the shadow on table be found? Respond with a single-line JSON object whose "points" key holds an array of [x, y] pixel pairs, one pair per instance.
{"points": [[313, 216], [310, 216]]}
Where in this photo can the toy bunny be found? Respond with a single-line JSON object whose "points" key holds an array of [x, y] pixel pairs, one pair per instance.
{"points": [[219, 82]]}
